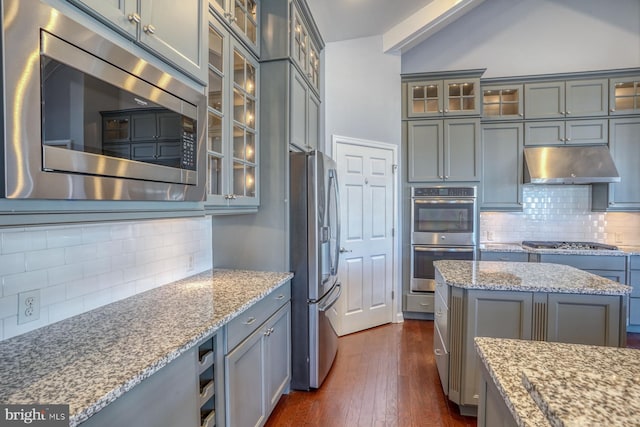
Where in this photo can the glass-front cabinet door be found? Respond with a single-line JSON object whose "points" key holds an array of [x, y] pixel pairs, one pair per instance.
{"points": [[245, 167], [232, 143], [624, 95], [461, 97], [242, 16], [502, 102], [424, 98]]}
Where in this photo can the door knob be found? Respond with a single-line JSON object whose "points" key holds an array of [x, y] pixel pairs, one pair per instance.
{"points": [[343, 250]]}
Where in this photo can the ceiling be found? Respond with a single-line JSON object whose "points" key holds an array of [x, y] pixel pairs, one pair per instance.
{"points": [[402, 23]]}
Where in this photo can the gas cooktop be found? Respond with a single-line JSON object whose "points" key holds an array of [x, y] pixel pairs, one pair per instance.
{"points": [[589, 246]]}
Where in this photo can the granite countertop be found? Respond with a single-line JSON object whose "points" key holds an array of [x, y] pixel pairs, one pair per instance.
{"points": [[517, 247], [560, 384], [89, 360], [526, 276]]}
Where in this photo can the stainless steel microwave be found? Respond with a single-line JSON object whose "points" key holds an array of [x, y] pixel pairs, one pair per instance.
{"points": [[86, 119]]}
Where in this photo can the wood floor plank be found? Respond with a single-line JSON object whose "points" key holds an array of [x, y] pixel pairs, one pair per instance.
{"points": [[386, 377]]}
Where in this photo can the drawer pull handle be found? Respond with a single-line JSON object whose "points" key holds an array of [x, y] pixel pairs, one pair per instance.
{"points": [[425, 304], [250, 321], [279, 297]]}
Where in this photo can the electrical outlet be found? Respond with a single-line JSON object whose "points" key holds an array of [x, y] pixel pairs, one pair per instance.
{"points": [[489, 235], [190, 263], [28, 306], [618, 237]]}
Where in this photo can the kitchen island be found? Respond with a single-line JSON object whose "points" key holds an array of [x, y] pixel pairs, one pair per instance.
{"points": [[95, 360], [534, 383], [529, 301]]}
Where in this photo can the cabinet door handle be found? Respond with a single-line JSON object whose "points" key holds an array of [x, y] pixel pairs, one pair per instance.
{"points": [[250, 321], [279, 297], [439, 313], [438, 352], [134, 17], [612, 110], [149, 29], [568, 112]]}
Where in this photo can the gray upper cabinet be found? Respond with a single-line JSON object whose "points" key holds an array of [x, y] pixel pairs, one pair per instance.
{"points": [[624, 95], [560, 99], [576, 132], [502, 102], [436, 98], [153, 24], [502, 163], [443, 150], [304, 114], [242, 17], [625, 150]]}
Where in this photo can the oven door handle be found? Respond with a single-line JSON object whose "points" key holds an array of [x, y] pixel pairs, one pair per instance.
{"points": [[441, 249], [440, 201]]}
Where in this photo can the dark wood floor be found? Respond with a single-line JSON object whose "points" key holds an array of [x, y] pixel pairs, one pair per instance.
{"points": [[385, 376]]}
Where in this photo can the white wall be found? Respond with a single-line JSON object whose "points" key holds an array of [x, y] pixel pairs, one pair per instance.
{"points": [[362, 91], [525, 37]]}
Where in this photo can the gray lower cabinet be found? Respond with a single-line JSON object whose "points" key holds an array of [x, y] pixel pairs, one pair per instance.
{"points": [[443, 150], [502, 163], [492, 410], [611, 267], [258, 365], [624, 144], [504, 256], [634, 298], [168, 398], [468, 313]]}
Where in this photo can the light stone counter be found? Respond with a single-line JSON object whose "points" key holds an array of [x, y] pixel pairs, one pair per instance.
{"points": [[89, 360], [517, 247], [559, 384], [525, 276]]}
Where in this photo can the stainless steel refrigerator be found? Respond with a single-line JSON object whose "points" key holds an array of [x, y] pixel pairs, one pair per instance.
{"points": [[315, 242]]}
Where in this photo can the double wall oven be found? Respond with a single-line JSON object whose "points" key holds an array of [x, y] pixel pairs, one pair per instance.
{"points": [[443, 226]]}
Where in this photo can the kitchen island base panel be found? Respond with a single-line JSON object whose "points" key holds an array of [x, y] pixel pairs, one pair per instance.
{"points": [[492, 411]]}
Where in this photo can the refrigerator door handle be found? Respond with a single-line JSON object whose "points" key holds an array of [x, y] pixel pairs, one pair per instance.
{"points": [[332, 300], [333, 175]]}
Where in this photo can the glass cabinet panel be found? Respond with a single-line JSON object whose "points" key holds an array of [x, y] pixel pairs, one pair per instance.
{"points": [[461, 97], [625, 95], [425, 99], [502, 102], [314, 67], [216, 112], [245, 14], [300, 42]]}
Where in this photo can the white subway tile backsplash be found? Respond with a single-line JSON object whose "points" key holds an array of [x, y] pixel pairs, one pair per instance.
{"points": [[82, 267], [48, 258], [560, 212], [26, 281]]}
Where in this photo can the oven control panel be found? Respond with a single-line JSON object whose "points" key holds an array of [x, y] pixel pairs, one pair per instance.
{"points": [[443, 191]]}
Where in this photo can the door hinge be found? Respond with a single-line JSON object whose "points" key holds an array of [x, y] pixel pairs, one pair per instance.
{"points": [[393, 232], [394, 168], [393, 295]]}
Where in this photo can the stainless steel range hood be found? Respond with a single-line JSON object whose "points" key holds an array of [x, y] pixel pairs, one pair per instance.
{"points": [[569, 165]]}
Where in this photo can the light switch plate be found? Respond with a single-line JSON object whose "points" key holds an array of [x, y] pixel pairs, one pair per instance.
{"points": [[28, 306]]}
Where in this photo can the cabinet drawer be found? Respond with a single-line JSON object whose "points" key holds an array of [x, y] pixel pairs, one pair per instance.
{"points": [[443, 291], [587, 262], [247, 322], [442, 360], [504, 256], [420, 303], [440, 316]]}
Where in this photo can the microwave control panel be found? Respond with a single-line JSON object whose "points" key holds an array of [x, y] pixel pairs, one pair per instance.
{"points": [[188, 145]]}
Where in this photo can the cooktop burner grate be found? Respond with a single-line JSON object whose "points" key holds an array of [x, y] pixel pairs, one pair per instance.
{"points": [[591, 246]]}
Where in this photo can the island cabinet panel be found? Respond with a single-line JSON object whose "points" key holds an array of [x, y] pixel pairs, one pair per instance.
{"points": [[633, 322], [611, 267], [584, 319], [504, 256], [172, 392], [492, 411], [501, 314]]}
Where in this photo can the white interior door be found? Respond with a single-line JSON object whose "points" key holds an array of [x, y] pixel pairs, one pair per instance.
{"points": [[366, 270]]}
